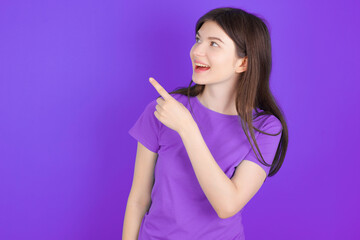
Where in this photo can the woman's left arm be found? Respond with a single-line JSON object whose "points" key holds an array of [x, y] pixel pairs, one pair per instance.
{"points": [[227, 196]]}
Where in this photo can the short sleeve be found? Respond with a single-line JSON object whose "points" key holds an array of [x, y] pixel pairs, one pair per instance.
{"points": [[147, 127], [267, 144]]}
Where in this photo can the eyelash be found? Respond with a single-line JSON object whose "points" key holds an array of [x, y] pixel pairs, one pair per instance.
{"points": [[196, 38]]}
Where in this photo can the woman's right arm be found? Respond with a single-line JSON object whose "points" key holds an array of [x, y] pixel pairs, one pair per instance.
{"points": [[139, 198]]}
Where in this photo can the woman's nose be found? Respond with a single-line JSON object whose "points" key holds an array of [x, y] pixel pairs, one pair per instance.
{"points": [[199, 50]]}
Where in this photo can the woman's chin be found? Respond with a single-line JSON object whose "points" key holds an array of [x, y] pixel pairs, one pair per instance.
{"points": [[198, 82], [196, 79]]}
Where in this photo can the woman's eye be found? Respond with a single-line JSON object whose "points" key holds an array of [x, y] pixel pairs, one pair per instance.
{"points": [[196, 39]]}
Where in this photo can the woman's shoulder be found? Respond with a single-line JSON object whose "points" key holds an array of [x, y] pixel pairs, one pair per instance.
{"points": [[267, 121]]}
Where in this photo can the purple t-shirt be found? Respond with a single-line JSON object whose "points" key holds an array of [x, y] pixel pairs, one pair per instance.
{"points": [[179, 208]]}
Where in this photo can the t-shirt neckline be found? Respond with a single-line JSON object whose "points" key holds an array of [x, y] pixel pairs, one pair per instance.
{"points": [[214, 112]]}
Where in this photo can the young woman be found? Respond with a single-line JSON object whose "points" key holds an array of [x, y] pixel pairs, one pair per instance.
{"points": [[205, 150]]}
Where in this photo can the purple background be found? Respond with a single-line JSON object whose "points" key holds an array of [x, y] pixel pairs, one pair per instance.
{"points": [[74, 79]]}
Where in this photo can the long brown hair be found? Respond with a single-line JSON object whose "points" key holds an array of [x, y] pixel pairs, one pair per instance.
{"points": [[251, 37]]}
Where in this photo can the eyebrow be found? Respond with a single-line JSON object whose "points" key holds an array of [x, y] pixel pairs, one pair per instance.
{"points": [[211, 37]]}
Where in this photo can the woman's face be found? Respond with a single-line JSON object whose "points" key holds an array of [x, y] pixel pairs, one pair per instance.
{"points": [[219, 54]]}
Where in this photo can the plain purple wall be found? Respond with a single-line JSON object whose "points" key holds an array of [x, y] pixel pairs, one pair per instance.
{"points": [[74, 79]]}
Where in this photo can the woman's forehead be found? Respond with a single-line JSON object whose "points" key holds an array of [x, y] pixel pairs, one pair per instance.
{"points": [[212, 29]]}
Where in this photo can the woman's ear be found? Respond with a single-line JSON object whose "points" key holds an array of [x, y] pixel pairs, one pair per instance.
{"points": [[241, 65]]}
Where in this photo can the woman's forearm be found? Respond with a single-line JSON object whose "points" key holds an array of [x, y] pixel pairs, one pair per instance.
{"points": [[134, 214], [218, 188]]}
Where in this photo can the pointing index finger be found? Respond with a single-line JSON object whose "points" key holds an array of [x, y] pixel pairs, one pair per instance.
{"points": [[160, 89]]}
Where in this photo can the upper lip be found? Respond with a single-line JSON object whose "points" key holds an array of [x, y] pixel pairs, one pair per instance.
{"points": [[196, 61]]}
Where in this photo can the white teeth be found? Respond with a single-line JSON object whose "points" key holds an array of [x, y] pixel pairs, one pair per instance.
{"points": [[201, 65]]}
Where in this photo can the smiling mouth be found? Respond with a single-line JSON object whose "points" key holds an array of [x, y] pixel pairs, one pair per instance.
{"points": [[199, 69], [205, 67]]}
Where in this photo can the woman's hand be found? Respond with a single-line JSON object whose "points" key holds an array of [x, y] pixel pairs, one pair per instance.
{"points": [[170, 112]]}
